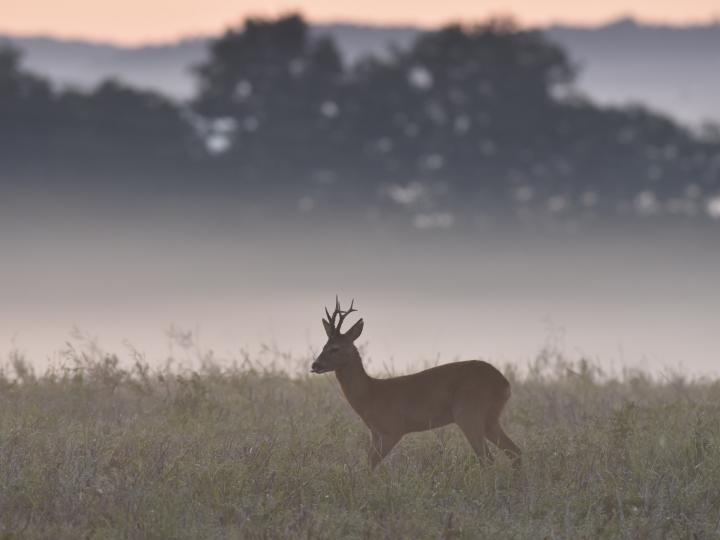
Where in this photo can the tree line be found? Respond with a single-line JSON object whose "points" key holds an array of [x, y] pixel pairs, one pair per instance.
{"points": [[480, 117]]}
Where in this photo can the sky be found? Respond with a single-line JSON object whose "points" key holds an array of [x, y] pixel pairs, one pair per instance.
{"points": [[142, 21]]}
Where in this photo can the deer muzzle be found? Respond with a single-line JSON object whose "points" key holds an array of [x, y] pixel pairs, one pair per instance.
{"points": [[317, 367]]}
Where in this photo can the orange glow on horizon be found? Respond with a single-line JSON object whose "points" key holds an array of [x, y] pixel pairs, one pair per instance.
{"points": [[133, 22]]}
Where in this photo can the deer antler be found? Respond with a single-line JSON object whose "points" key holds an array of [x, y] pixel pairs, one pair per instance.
{"points": [[344, 314], [339, 314]]}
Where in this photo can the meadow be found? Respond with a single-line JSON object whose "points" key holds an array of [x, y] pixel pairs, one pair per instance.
{"points": [[256, 447]]}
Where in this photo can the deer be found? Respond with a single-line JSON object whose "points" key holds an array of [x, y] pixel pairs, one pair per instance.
{"points": [[471, 394]]}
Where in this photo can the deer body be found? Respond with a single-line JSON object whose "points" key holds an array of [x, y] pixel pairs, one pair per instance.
{"points": [[471, 394]]}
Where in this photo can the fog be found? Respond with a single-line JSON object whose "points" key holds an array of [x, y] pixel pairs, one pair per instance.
{"points": [[462, 190], [622, 297]]}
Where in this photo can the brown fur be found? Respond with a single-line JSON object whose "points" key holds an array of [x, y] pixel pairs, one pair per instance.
{"points": [[471, 394]]}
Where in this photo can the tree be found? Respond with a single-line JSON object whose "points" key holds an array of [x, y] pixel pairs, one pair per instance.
{"points": [[275, 93], [26, 104], [460, 106]]}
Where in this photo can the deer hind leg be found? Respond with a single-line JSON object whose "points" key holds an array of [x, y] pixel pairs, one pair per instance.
{"points": [[498, 437], [472, 424], [380, 447]]}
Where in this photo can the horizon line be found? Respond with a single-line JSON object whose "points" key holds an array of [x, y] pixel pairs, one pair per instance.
{"points": [[709, 22]]}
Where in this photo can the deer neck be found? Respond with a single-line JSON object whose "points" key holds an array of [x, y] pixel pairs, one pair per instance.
{"points": [[356, 384]]}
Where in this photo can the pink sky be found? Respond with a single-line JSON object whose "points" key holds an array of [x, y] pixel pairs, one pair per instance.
{"points": [[136, 21]]}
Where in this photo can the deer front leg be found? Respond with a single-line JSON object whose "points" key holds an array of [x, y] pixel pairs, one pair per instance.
{"points": [[380, 446]]}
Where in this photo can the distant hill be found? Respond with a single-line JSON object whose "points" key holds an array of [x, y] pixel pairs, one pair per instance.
{"points": [[82, 63], [672, 69]]}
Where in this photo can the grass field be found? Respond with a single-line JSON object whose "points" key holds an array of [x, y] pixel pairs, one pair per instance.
{"points": [[229, 450]]}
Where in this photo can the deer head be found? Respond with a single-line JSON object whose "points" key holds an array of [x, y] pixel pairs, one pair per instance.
{"points": [[340, 348]]}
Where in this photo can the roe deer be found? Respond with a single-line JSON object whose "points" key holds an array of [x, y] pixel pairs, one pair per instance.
{"points": [[471, 394]]}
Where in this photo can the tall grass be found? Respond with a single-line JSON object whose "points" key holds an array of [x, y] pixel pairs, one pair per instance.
{"points": [[96, 449]]}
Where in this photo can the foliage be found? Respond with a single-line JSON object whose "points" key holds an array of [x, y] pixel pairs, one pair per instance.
{"points": [[469, 119], [97, 450]]}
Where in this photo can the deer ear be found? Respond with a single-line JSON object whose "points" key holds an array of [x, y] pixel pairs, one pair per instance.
{"points": [[329, 330], [355, 330]]}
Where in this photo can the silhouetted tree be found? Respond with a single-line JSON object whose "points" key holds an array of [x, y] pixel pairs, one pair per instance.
{"points": [[26, 109], [274, 93], [458, 101]]}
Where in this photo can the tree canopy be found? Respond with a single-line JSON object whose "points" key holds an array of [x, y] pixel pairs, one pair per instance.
{"points": [[481, 117]]}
